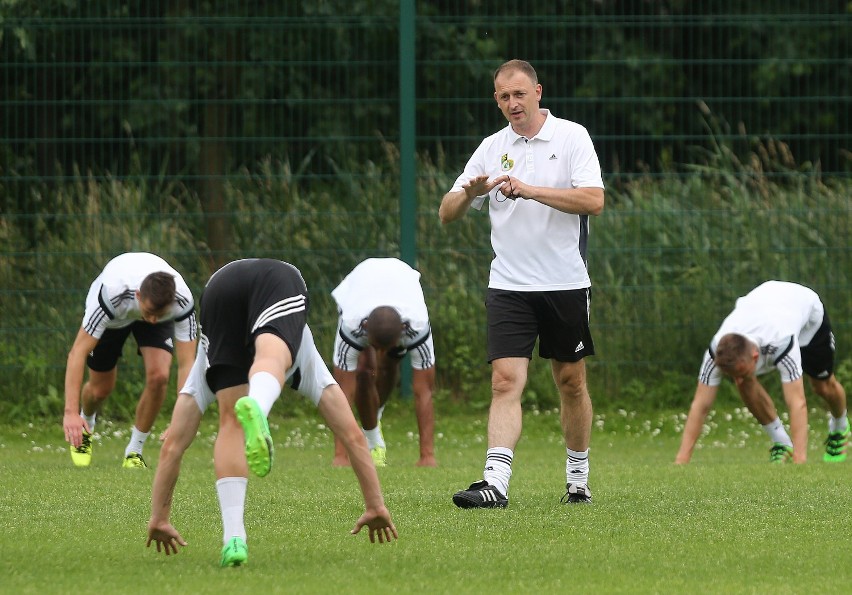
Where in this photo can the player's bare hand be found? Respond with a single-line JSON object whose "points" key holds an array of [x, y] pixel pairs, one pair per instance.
{"points": [[74, 425], [480, 186], [512, 188], [379, 523], [165, 536]]}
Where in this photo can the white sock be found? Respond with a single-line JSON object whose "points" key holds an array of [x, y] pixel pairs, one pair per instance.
{"points": [[837, 424], [264, 388], [577, 466], [379, 413], [137, 441], [498, 468], [232, 503], [374, 438], [776, 432], [90, 419]]}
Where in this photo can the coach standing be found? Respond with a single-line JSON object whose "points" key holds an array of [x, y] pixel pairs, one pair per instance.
{"points": [[541, 178]]}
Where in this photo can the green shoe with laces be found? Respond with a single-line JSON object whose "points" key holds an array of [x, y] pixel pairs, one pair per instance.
{"points": [[259, 448], [836, 445], [780, 453], [234, 553]]}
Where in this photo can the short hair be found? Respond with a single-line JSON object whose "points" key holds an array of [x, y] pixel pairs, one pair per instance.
{"points": [[731, 350], [520, 65], [159, 289], [384, 327]]}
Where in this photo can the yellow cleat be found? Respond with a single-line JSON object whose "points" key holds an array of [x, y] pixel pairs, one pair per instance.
{"points": [[380, 456], [134, 461], [81, 455]]}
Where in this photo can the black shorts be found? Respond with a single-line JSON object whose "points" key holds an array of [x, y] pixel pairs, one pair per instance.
{"points": [[818, 355], [558, 319], [242, 300], [104, 356]]}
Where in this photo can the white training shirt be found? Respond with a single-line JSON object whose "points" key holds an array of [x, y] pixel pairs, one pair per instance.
{"points": [[536, 247], [111, 301], [777, 316], [382, 282]]}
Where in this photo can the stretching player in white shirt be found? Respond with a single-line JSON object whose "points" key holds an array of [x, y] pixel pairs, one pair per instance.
{"points": [[136, 293], [541, 180], [256, 339], [383, 316], [782, 326]]}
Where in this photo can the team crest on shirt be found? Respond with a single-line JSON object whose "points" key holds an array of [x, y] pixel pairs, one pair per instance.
{"points": [[506, 164]]}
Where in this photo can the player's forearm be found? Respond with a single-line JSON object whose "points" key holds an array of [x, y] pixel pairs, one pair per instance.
{"points": [[794, 395], [454, 205], [73, 382], [162, 492], [578, 201]]}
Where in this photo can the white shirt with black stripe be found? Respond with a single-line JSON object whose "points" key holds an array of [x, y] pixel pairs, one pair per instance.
{"points": [[111, 302], [777, 316]]}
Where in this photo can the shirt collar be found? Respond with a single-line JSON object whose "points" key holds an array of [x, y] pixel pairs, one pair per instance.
{"points": [[546, 132]]}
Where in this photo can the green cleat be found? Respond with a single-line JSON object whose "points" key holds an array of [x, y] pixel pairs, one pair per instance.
{"points": [[81, 455], [836, 445], [780, 453], [234, 553], [134, 461], [380, 456], [259, 448]]}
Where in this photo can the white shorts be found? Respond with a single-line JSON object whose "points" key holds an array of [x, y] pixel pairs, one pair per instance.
{"points": [[309, 375]]}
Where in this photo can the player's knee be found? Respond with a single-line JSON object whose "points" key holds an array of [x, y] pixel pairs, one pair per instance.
{"points": [[157, 380]]}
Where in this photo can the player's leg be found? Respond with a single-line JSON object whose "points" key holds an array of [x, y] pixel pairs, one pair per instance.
{"points": [[839, 429], [231, 474], [576, 420], [423, 385], [157, 367], [373, 383], [512, 332]]}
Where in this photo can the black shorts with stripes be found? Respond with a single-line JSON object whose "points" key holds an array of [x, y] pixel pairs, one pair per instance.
{"points": [[558, 319], [242, 300]]}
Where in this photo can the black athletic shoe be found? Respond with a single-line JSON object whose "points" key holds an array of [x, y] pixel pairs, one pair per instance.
{"points": [[480, 494], [578, 493]]}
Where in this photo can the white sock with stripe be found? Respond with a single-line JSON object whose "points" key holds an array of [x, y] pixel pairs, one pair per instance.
{"points": [[498, 468], [577, 466]]}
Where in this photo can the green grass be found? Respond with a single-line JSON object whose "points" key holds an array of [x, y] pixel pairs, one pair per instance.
{"points": [[727, 523]]}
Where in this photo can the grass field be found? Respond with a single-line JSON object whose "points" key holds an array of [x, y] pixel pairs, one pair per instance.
{"points": [[727, 523]]}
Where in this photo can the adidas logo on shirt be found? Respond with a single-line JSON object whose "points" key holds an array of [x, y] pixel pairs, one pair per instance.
{"points": [[553, 156]]}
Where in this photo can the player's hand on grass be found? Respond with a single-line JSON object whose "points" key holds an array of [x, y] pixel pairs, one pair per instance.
{"points": [[74, 425], [165, 536], [379, 523]]}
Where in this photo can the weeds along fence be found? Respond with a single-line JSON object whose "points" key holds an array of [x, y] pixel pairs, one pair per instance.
{"points": [[667, 258]]}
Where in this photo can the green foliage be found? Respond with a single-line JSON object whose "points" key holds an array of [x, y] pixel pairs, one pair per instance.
{"points": [[668, 257]]}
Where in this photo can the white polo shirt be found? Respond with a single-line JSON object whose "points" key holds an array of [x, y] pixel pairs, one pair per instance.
{"points": [[777, 316], [536, 247], [111, 301]]}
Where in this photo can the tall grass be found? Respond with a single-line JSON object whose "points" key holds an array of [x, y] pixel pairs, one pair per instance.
{"points": [[668, 257]]}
